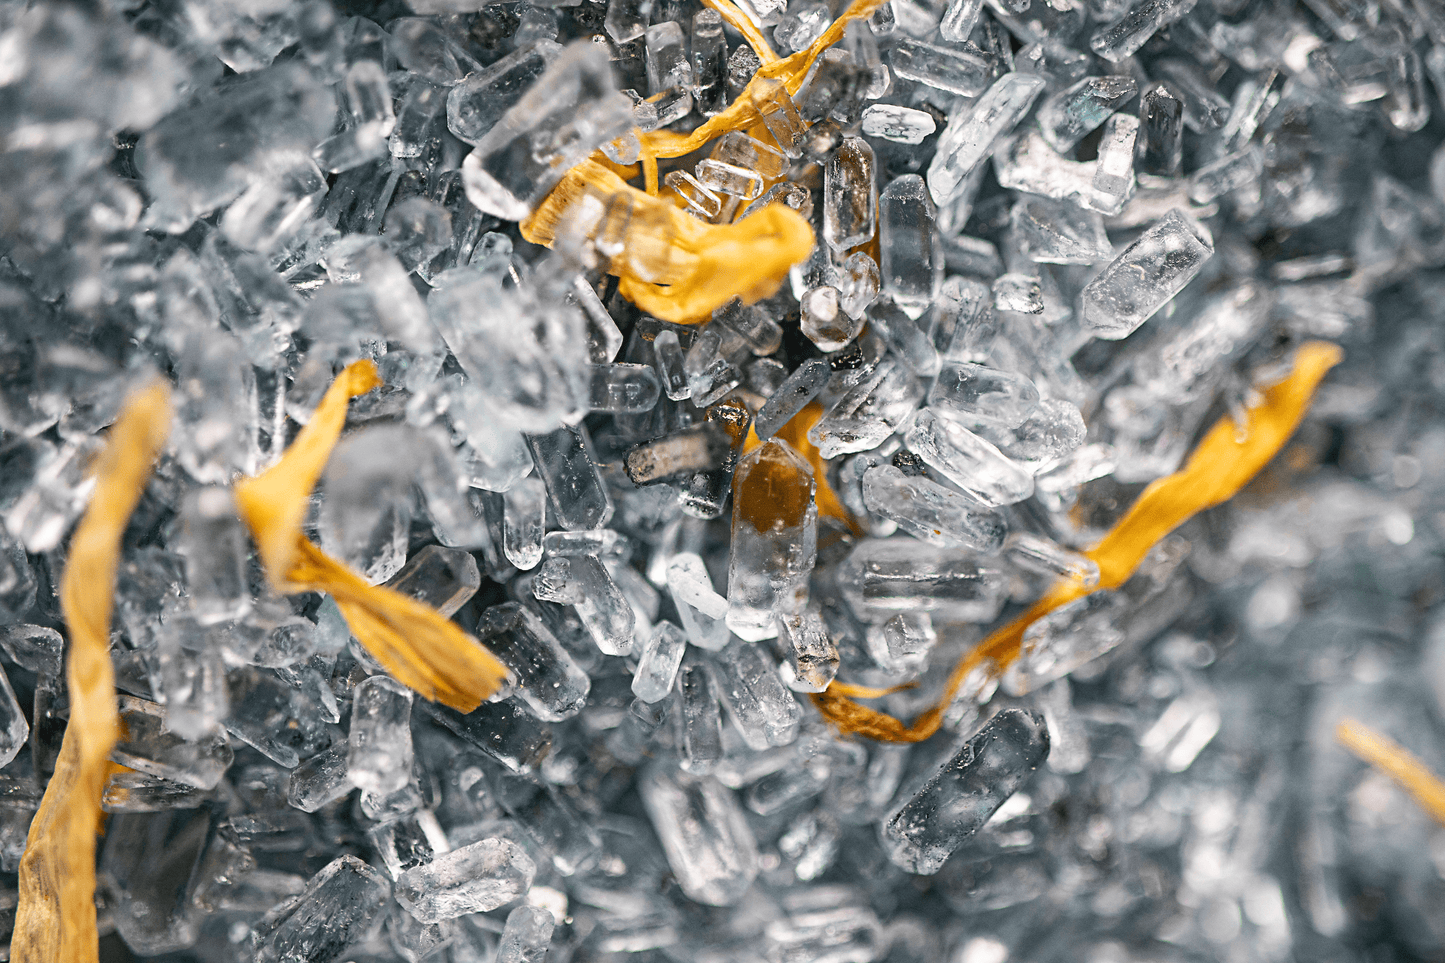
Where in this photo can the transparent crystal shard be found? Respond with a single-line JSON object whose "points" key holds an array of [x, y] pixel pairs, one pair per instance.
{"points": [[815, 658], [709, 51], [958, 20], [1038, 554], [882, 578], [1030, 165], [667, 60], [1161, 131], [963, 320], [972, 134], [524, 508], [1067, 116], [701, 720], [1228, 173], [548, 681], [770, 98], [737, 149], [1205, 109], [1122, 38], [407, 841], [1068, 637], [669, 356], [751, 324], [775, 535], [476, 104], [658, 663], [762, 710], [1145, 276], [903, 642], [702, 610], [473, 879], [969, 392], [365, 518], [1058, 232], [932, 512], [871, 411], [710, 372], [911, 259], [959, 69], [14, 730], [850, 196], [623, 388], [151, 748], [380, 754], [1018, 293], [273, 717], [571, 110], [153, 868], [567, 467], [444, 578], [214, 543], [339, 908], [968, 461], [137, 792], [627, 19], [704, 834], [501, 730], [583, 582], [902, 125], [216, 392], [961, 796], [791, 397], [721, 178], [824, 321], [527, 933], [321, 780], [1115, 169]]}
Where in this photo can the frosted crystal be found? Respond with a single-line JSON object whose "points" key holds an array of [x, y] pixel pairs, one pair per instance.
{"points": [[701, 727], [702, 610], [658, 663], [524, 512], [903, 125], [473, 879], [708, 844], [627, 19], [1115, 168], [824, 320], [380, 756], [1161, 129], [932, 512], [972, 134], [762, 710], [969, 461], [1068, 637], [526, 935], [815, 659], [959, 19], [961, 796], [1145, 275]]}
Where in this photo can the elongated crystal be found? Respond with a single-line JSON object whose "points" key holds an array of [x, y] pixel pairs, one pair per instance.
{"points": [[960, 69], [968, 461], [473, 879], [850, 196], [959, 18], [1115, 169], [1067, 116], [932, 512], [336, 910], [526, 935], [476, 104], [707, 841], [911, 259], [775, 532], [583, 582], [380, 739], [709, 63], [902, 125], [623, 388], [972, 134], [151, 748], [763, 711], [524, 509], [569, 470], [1142, 21], [1039, 554], [214, 543], [791, 397], [971, 391], [966, 791], [1065, 639], [548, 681], [702, 610], [701, 720], [1145, 276], [658, 664]]}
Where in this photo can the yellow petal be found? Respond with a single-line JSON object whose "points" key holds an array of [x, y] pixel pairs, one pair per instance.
{"points": [[1396, 762], [1218, 468], [55, 918]]}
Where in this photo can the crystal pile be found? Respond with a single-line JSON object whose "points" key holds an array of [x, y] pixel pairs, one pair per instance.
{"points": [[697, 485]]}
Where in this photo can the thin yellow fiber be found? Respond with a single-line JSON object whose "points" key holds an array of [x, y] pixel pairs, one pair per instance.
{"points": [[419, 646], [1217, 469], [1395, 761], [55, 918], [710, 263]]}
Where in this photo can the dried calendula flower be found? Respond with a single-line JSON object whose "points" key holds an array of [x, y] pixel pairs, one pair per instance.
{"points": [[55, 918], [421, 647], [1224, 462], [1396, 762]]}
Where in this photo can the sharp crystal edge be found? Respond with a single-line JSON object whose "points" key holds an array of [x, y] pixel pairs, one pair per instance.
{"points": [[727, 557]]}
